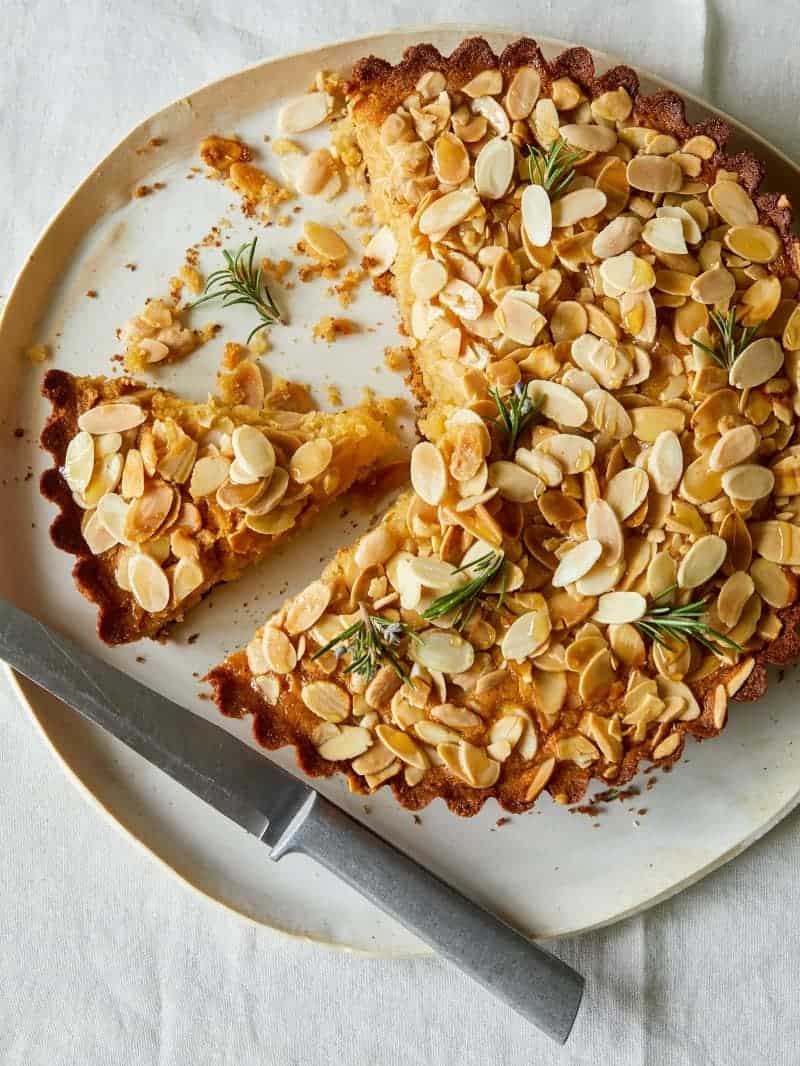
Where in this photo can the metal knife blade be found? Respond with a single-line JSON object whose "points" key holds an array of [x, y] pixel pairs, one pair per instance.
{"points": [[290, 816]]}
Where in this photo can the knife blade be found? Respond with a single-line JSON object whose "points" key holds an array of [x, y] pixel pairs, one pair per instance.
{"points": [[290, 816]]}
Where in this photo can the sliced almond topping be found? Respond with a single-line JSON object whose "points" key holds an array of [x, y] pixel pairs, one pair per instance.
{"points": [[627, 491], [573, 454], [607, 413], [112, 512], [665, 463], [617, 237], [377, 758], [325, 242], [310, 460], [665, 235], [401, 745], [428, 277], [627, 644], [95, 533], [748, 482], [616, 608], [381, 251], [732, 204], [776, 586], [537, 215], [627, 273], [186, 578], [79, 461], [702, 561], [349, 742], [523, 92], [759, 244], [525, 635], [304, 112], [428, 473], [278, 651], [448, 211], [576, 563], [733, 596], [735, 446], [519, 317], [667, 747], [654, 174], [486, 83], [494, 168], [589, 137], [148, 513], [445, 651], [463, 300], [308, 607], [111, 418], [603, 526], [451, 162], [759, 362], [149, 583], [558, 403], [253, 451], [574, 206], [326, 700]]}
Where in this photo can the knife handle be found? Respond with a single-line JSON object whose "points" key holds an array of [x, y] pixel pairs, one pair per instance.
{"points": [[517, 971]]}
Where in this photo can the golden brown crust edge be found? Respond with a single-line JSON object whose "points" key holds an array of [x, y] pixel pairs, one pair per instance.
{"points": [[380, 87]]}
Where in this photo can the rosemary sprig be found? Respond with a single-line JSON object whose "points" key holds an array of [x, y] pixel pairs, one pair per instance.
{"points": [[552, 169], [733, 338], [464, 599], [241, 282], [665, 623], [369, 642], [516, 414]]}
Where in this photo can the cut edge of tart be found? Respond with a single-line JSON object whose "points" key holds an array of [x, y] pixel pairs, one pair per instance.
{"points": [[634, 610], [161, 499]]}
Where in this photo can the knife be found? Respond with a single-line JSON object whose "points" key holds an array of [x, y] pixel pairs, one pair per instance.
{"points": [[289, 816]]}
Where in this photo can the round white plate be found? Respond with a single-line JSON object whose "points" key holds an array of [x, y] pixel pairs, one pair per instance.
{"points": [[550, 872]]}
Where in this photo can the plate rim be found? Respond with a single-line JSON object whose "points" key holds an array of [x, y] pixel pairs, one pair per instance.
{"points": [[21, 686]]}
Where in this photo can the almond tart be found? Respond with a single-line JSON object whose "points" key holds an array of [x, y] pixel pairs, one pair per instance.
{"points": [[600, 546], [161, 499]]}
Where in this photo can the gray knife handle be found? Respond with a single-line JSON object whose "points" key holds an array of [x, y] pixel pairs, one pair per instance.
{"points": [[528, 979]]}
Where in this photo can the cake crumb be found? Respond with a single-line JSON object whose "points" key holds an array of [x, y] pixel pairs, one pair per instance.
{"points": [[346, 289], [397, 359], [329, 329], [92, 294], [333, 395]]}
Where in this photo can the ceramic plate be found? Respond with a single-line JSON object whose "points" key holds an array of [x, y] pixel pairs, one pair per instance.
{"points": [[550, 872]]}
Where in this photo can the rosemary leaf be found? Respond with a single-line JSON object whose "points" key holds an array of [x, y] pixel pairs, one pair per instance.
{"points": [[515, 414], [241, 282], [552, 169], [370, 641], [666, 623], [733, 338], [464, 599]]}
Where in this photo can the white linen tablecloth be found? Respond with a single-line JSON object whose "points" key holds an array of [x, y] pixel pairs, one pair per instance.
{"points": [[104, 958]]}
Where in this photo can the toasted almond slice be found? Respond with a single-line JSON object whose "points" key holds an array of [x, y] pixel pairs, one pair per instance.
{"points": [[665, 462], [310, 460], [308, 607], [381, 251], [375, 547], [617, 237], [597, 677], [79, 461], [428, 277], [702, 561], [523, 92], [112, 511], [748, 482], [617, 608], [735, 446], [446, 212], [304, 112], [493, 113], [665, 235], [601, 578], [525, 634], [186, 578], [326, 700], [434, 573], [149, 583], [451, 162], [791, 331], [574, 206], [350, 742], [627, 490], [603, 526], [576, 562], [759, 244], [325, 242], [732, 203], [733, 596], [94, 532], [444, 650], [514, 483], [537, 215], [475, 767], [760, 361], [627, 273], [607, 413], [558, 403], [428, 473], [627, 644], [402, 745], [463, 300], [519, 317], [654, 174], [589, 137], [714, 286], [487, 83], [494, 168], [111, 418], [661, 575], [650, 422], [147, 514], [574, 454], [543, 466], [776, 586], [254, 452]]}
